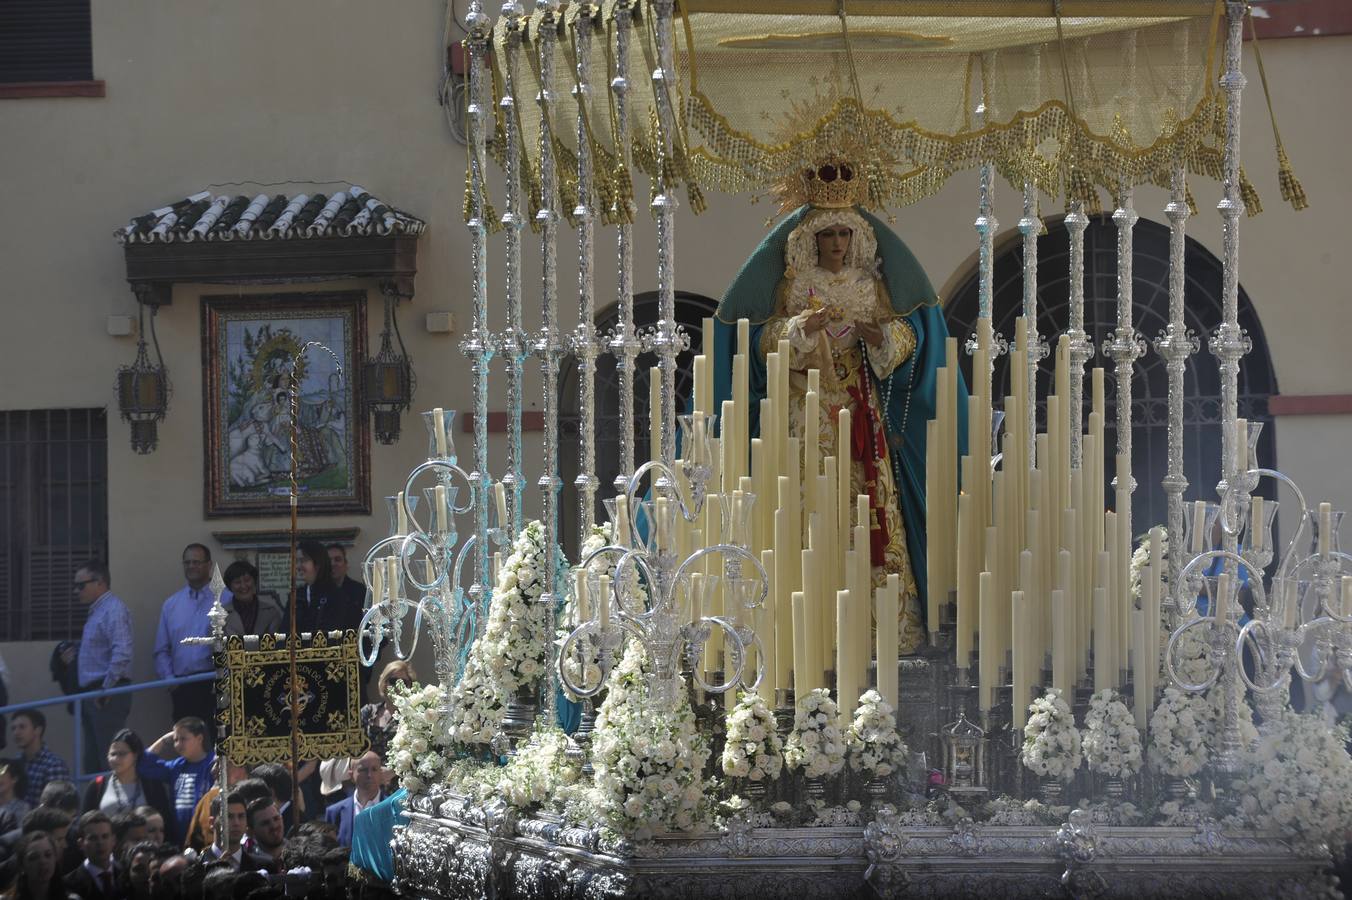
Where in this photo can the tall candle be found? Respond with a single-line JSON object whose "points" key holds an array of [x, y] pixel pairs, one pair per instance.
{"points": [[439, 431], [1060, 645], [500, 496], [403, 513], [887, 600], [1022, 680], [1345, 607], [769, 626], [968, 608], [377, 582], [816, 646], [811, 447], [844, 462], [785, 558], [801, 683], [988, 642], [1101, 678], [847, 690]]}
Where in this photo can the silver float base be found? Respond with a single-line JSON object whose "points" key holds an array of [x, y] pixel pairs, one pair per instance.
{"points": [[454, 851]]}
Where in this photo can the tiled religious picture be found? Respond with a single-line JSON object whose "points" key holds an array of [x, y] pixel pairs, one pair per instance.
{"points": [[249, 344]]}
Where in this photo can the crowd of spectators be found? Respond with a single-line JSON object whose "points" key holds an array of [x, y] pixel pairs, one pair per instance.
{"points": [[150, 821]]}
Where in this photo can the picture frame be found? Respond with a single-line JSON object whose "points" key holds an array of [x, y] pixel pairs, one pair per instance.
{"points": [[248, 343]]}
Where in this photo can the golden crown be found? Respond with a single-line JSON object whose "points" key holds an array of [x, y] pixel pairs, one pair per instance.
{"points": [[833, 183]]}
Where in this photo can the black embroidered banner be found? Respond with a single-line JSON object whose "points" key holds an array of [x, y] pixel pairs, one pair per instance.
{"points": [[257, 719]]}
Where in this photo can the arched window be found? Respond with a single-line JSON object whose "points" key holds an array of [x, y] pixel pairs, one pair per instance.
{"points": [[691, 310], [1150, 381]]}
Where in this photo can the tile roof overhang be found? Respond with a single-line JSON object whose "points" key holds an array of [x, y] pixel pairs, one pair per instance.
{"points": [[269, 238]]}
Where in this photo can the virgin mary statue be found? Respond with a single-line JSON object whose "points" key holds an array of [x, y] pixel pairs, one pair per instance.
{"points": [[853, 303]]}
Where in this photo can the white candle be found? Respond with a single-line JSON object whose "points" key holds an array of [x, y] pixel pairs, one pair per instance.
{"points": [[429, 570], [887, 600], [1345, 608], [1022, 665], [847, 691], [394, 577], [439, 511], [987, 642], [1325, 527], [696, 597], [1101, 677], [1198, 525], [801, 683], [1060, 648], [697, 388], [769, 627], [439, 431], [622, 529], [603, 603], [500, 497], [662, 532], [1289, 598], [403, 513], [377, 583], [1242, 445]]}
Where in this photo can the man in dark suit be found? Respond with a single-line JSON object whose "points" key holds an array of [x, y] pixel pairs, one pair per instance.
{"points": [[366, 775], [95, 878]]}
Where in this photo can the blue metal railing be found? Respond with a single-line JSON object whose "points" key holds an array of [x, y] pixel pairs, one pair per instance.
{"points": [[80, 698]]}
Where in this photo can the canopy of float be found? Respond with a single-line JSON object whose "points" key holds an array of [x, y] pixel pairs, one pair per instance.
{"points": [[1112, 92]]}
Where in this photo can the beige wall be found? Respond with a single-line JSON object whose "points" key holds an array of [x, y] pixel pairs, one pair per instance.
{"points": [[258, 92]]}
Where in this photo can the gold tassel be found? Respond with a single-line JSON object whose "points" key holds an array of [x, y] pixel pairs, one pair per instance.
{"points": [[1292, 192], [1252, 205]]}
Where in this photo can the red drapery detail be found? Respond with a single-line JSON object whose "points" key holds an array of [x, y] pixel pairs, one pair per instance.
{"points": [[868, 447]]}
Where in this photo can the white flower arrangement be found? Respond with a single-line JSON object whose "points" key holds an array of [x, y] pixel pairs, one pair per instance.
{"points": [[1140, 558], [753, 749], [648, 760], [872, 741], [512, 651], [1051, 744], [1178, 734], [1112, 742], [816, 744], [538, 770], [1299, 780], [416, 753]]}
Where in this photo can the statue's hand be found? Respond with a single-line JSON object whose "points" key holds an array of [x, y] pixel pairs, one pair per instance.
{"points": [[815, 322], [871, 332]]}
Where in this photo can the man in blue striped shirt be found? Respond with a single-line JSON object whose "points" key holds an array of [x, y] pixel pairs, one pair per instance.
{"points": [[185, 615], [105, 660]]}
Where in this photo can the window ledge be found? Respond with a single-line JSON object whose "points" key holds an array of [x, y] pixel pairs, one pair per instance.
{"points": [[18, 90]]}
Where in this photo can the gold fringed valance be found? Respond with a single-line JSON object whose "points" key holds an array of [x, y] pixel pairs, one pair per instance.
{"points": [[1077, 107]]}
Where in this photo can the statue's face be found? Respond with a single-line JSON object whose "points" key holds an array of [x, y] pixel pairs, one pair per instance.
{"points": [[833, 242]]}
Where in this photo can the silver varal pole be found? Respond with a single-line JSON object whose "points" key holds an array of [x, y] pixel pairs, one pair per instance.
{"points": [[1229, 344], [667, 339], [1030, 226], [513, 339], [584, 338], [479, 343], [1175, 345], [1081, 348], [624, 342], [549, 345]]}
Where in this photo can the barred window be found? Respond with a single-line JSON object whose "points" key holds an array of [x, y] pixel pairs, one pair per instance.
{"points": [[53, 517], [45, 40]]}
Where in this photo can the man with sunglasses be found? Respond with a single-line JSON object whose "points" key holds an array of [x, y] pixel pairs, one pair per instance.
{"points": [[104, 660]]}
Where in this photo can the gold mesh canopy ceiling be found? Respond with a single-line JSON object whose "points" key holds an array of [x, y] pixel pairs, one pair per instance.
{"points": [[1113, 92]]}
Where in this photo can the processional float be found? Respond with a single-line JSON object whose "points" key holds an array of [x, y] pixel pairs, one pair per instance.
{"points": [[749, 597]]}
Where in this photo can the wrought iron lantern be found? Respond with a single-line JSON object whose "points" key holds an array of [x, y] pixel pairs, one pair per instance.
{"points": [[964, 755], [387, 377], [143, 387]]}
